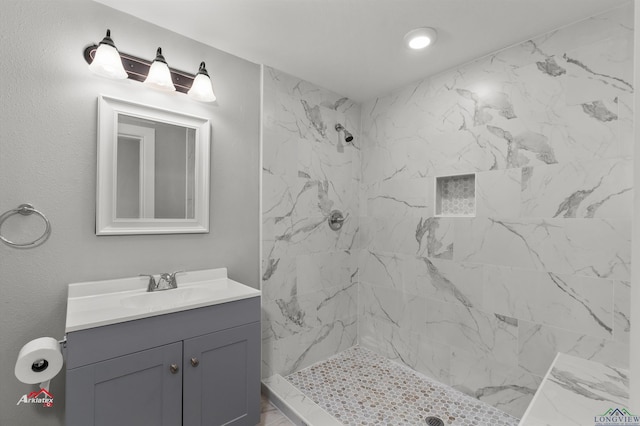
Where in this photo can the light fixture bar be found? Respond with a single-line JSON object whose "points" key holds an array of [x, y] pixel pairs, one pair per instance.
{"points": [[138, 69]]}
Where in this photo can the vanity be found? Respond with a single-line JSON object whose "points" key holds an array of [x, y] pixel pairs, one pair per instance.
{"points": [[185, 356]]}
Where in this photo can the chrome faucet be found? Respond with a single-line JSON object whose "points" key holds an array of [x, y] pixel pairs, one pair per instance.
{"points": [[166, 281], [152, 285]]}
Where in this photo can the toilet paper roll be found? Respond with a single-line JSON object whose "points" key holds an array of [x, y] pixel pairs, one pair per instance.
{"points": [[39, 360]]}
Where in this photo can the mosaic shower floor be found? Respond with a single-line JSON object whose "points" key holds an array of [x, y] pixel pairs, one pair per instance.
{"points": [[359, 387]]}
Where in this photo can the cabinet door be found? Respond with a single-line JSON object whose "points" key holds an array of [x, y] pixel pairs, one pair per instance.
{"points": [[133, 390], [222, 384]]}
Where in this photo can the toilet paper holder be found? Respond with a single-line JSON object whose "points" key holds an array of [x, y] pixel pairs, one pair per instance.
{"points": [[40, 360]]}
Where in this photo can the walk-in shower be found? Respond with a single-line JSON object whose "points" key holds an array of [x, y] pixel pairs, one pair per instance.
{"points": [[478, 298]]}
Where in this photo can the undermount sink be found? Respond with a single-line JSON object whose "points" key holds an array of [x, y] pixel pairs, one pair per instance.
{"points": [[166, 298], [98, 303]]}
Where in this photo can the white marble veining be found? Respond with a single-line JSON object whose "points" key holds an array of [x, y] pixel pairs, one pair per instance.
{"points": [[584, 247], [538, 345], [292, 315], [383, 269], [445, 280], [401, 197], [587, 189], [299, 350], [484, 303], [579, 304], [506, 387], [410, 348], [473, 330], [579, 392], [309, 285], [621, 311], [424, 236]]}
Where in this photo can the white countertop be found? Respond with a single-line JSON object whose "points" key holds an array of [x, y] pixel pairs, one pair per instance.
{"points": [[578, 392], [98, 303]]}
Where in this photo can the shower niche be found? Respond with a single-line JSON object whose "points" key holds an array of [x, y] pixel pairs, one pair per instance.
{"points": [[455, 196]]}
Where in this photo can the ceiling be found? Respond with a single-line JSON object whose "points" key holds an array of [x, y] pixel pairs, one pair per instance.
{"points": [[355, 47]]}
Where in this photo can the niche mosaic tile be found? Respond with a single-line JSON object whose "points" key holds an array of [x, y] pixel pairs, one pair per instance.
{"points": [[359, 387], [456, 195]]}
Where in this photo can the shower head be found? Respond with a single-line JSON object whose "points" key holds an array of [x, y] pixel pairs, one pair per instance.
{"points": [[348, 137]]}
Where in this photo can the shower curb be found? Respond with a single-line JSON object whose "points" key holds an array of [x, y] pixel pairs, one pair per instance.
{"points": [[299, 408]]}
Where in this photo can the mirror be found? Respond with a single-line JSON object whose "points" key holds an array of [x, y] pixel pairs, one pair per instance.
{"points": [[153, 170]]}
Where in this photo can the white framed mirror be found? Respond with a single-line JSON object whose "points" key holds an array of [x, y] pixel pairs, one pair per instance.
{"points": [[153, 170]]}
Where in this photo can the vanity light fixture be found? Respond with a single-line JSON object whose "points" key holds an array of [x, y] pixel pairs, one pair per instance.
{"points": [[155, 74], [159, 76], [107, 61], [420, 38], [201, 88]]}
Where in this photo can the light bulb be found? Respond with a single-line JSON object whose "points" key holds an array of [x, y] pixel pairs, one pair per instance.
{"points": [[420, 38], [419, 42]]}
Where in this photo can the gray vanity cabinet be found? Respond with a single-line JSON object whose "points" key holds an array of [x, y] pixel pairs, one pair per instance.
{"points": [[131, 390], [190, 368], [217, 370]]}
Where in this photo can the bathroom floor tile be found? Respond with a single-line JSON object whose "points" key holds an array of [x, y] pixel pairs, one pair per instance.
{"points": [[270, 415], [359, 387]]}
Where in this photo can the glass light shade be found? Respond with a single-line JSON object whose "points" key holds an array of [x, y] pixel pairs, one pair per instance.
{"points": [[159, 76], [107, 63], [201, 89]]}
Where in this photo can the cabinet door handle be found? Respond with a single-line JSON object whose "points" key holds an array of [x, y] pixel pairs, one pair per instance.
{"points": [[195, 362], [174, 368]]}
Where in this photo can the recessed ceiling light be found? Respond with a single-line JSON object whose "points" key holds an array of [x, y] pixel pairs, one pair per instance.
{"points": [[420, 38]]}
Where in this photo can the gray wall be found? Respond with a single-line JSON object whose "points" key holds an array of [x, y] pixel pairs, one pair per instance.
{"points": [[48, 157]]}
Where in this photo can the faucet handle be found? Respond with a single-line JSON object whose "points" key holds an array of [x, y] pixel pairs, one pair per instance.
{"points": [[152, 281], [170, 278], [173, 274]]}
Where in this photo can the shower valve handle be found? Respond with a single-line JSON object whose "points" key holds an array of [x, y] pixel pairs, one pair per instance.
{"points": [[336, 220]]}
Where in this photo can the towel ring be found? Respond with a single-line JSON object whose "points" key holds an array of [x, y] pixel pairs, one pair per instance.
{"points": [[25, 210]]}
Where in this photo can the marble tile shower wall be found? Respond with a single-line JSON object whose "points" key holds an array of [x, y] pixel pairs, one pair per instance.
{"points": [[309, 285], [484, 303]]}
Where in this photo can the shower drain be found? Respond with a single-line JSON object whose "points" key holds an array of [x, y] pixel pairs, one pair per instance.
{"points": [[434, 421]]}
